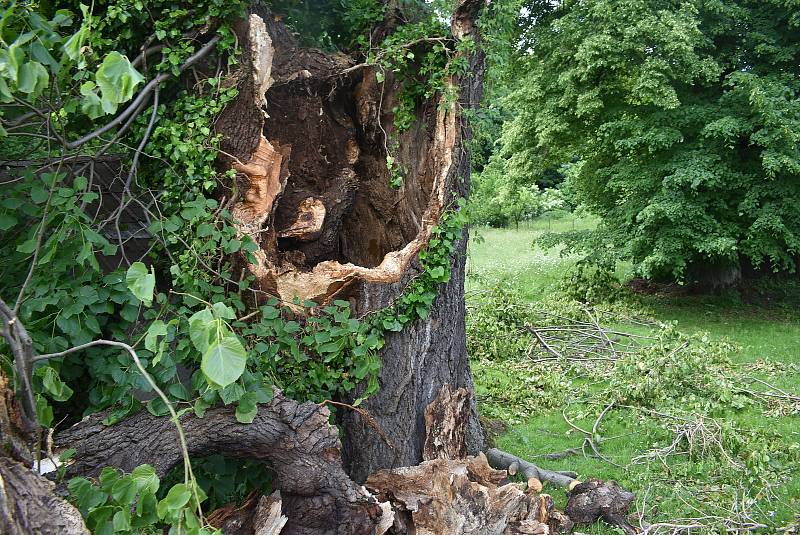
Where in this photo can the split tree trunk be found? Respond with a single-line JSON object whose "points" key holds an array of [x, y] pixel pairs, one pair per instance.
{"points": [[308, 135]]}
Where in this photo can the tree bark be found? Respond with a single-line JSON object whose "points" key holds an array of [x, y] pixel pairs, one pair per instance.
{"points": [[308, 136], [28, 505]]}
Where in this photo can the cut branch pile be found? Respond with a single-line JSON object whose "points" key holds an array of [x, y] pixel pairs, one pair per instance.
{"points": [[579, 340]]}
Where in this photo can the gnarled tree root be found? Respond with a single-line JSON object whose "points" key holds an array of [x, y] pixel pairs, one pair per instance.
{"points": [[296, 439]]}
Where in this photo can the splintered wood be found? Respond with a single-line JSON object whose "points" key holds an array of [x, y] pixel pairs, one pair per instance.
{"points": [[453, 497], [446, 419]]}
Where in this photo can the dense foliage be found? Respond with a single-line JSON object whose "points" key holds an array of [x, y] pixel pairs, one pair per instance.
{"points": [[120, 81], [676, 121]]}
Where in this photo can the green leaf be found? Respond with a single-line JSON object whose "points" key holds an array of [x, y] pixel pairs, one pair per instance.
{"points": [[223, 311], [122, 520], [87, 495], [124, 490], [33, 78], [53, 384], [117, 80], [44, 412], [72, 48], [177, 497], [156, 329], [224, 362], [202, 327], [247, 409], [7, 221], [145, 478], [141, 283]]}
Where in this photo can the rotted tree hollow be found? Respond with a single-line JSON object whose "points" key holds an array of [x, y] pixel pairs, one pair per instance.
{"points": [[308, 136]]}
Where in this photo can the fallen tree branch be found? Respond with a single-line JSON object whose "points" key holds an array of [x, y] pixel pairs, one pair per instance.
{"points": [[502, 460], [296, 439]]}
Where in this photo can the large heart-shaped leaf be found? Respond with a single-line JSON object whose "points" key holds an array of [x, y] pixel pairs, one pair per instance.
{"points": [[224, 361], [117, 80]]}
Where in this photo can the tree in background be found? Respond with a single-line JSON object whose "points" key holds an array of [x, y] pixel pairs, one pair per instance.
{"points": [[684, 117]]}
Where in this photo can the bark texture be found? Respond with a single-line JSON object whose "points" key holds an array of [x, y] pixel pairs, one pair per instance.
{"points": [[296, 439], [29, 506], [445, 424], [431, 353]]}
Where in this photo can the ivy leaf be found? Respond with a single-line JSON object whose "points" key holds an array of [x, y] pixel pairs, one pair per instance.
{"points": [[224, 362], [141, 283]]}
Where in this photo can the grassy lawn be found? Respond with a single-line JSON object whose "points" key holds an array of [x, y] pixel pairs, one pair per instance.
{"points": [[762, 480]]}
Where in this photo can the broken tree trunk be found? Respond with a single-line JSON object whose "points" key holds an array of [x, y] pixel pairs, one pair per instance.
{"points": [[296, 439], [308, 137]]}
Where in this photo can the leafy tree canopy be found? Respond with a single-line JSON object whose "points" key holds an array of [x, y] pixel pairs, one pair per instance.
{"points": [[679, 123]]}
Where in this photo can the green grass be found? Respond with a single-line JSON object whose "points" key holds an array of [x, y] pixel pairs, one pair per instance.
{"points": [[508, 255], [766, 330]]}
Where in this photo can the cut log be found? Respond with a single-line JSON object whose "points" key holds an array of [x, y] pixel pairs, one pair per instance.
{"points": [[296, 439], [327, 122], [532, 473]]}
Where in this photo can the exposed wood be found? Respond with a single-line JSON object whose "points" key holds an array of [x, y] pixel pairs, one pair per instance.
{"points": [[308, 225], [588, 502], [258, 515], [453, 497], [268, 518], [446, 420], [296, 439]]}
